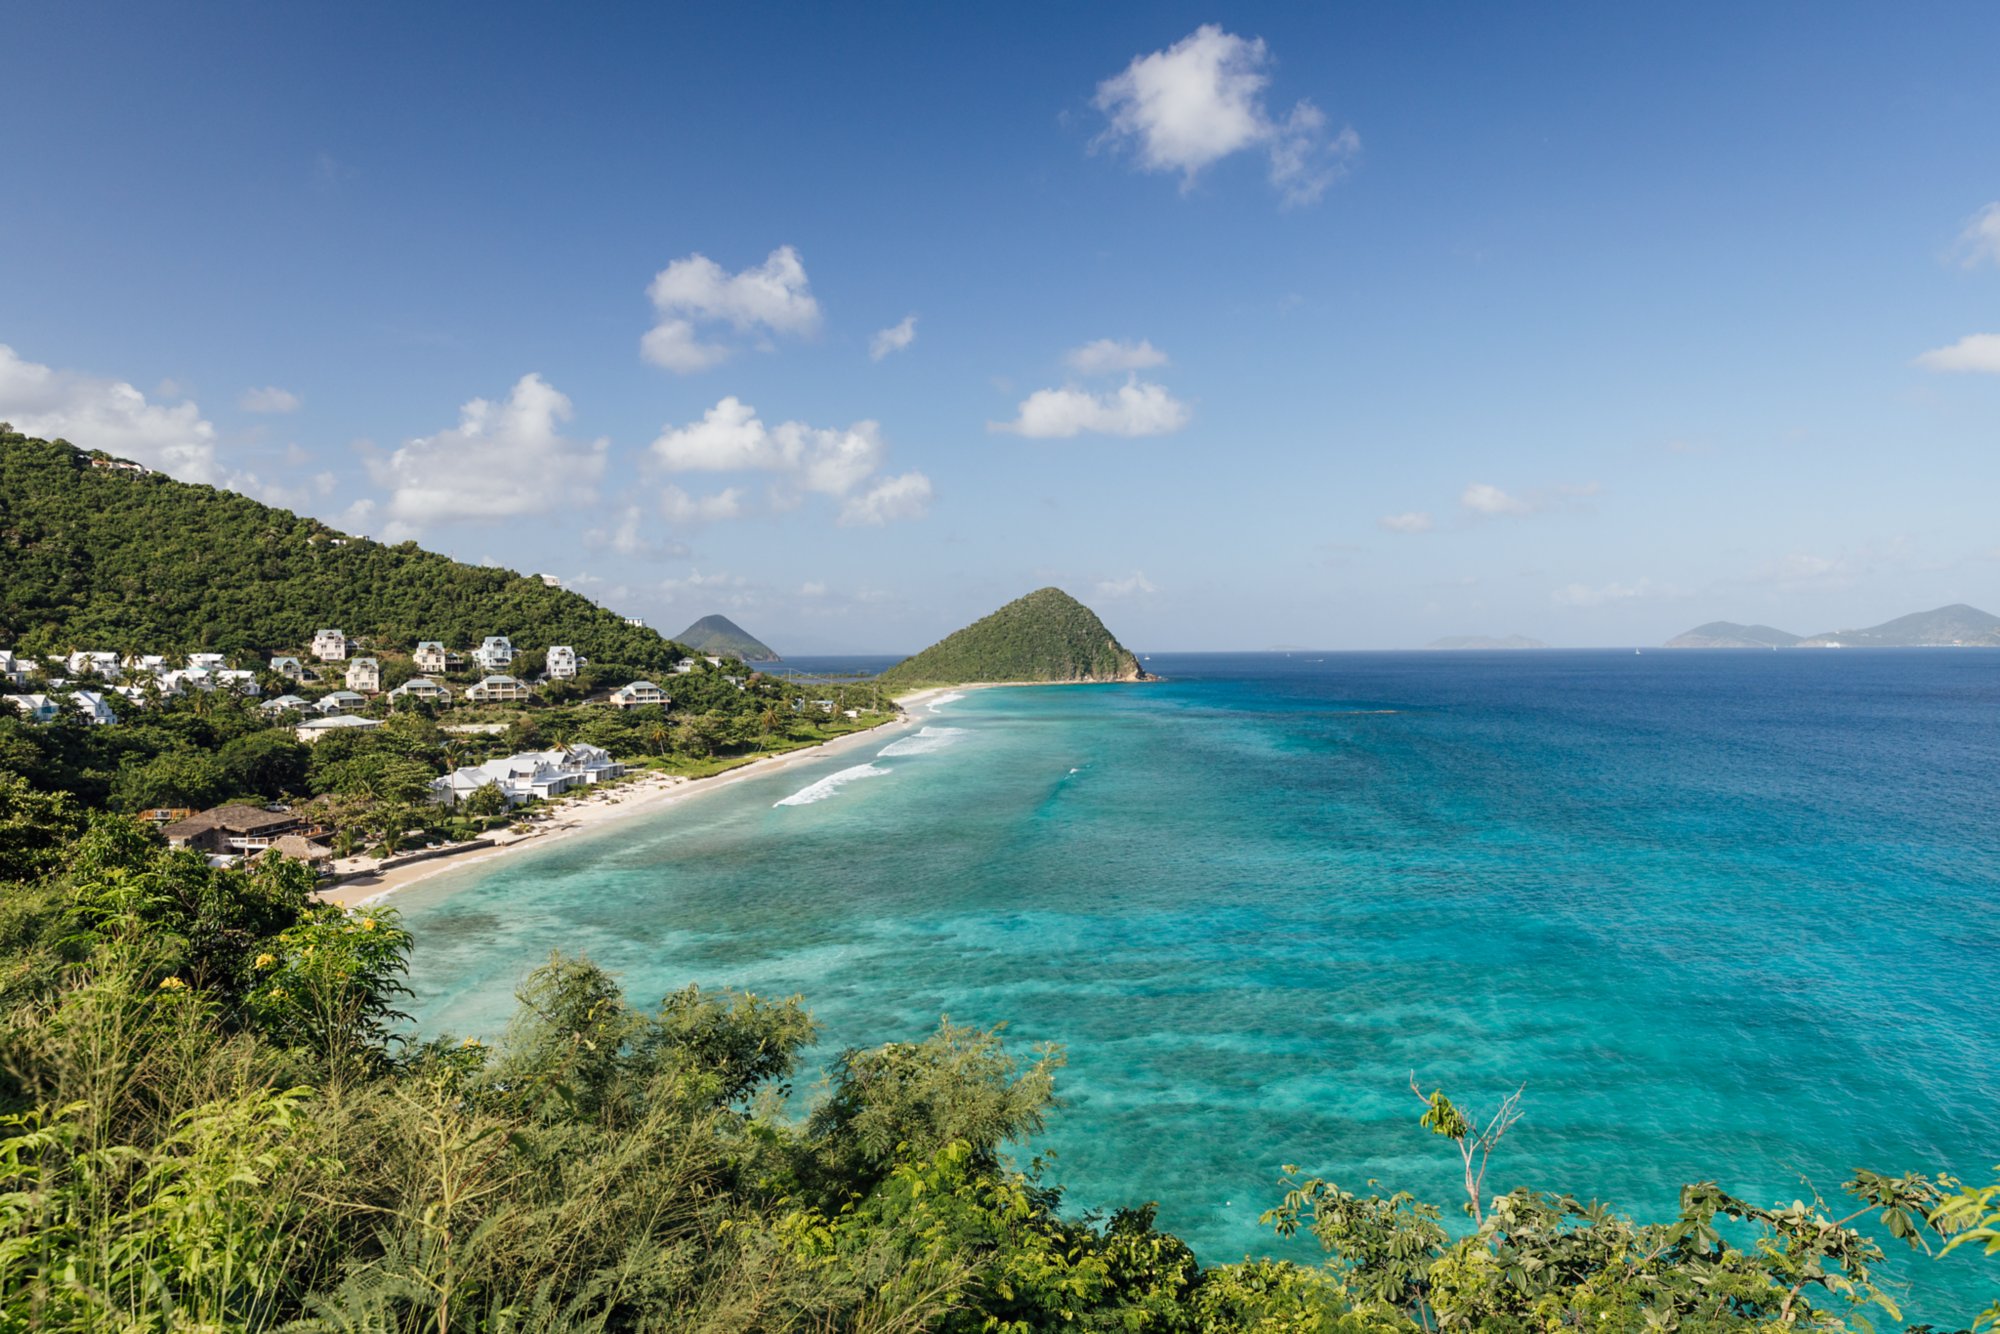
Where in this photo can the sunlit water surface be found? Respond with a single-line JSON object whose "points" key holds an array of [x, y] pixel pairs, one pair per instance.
{"points": [[1726, 915]]}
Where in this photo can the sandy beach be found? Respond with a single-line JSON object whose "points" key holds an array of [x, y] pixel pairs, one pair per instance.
{"points": [[646, 795]]}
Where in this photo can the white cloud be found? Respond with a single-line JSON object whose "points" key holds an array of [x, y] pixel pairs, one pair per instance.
{"points": [[1132, 585], [1137, 409], [808, 459], [729, 590], [893, 339], [1975, 352], [1415, 521], [1980, 241], [812, 589], [906, 496], [628, 537], [502, 460], [1202, 99], [1583, 595], [1109, 355], [773, 297], [111, 415], [682, 508], [268, 399], [1482, 498]]}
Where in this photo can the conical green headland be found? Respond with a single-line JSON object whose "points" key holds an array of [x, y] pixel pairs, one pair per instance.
{"points": [[1046, 636]]}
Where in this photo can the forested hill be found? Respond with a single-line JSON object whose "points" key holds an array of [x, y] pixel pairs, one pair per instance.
{"points": [[108, 558], [720, 635], [1046, 636]]}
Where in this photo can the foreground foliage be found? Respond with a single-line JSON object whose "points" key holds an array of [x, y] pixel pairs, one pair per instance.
{"points": [[210, 1125]]}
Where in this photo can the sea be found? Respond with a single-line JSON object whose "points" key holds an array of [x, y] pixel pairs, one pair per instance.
{"points": [[1718, 916]]}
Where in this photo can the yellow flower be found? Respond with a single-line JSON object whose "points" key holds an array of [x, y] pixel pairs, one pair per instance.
{"points": [[277, 993], [172, 984], [266, 960], [367, 924], [470, 1042]]}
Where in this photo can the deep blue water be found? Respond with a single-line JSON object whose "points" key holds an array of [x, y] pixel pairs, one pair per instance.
{"points": [[1729, 916]]}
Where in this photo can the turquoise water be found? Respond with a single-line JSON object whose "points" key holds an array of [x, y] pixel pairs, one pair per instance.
{"points": [[1727, 916]]}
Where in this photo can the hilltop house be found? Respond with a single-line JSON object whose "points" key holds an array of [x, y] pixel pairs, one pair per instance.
{"points": [[93, 707], [496, 688], [231, 829], [364, 674], [330, 646], [150, 663], [423, 688], [88, 662], [208, 662], [283, 703], [684, 666], [494, 652], [312, 729], [11, 668], [35, 708], [289, 668], [637, 694], [562, 663], [431, 656], [339, 702]]}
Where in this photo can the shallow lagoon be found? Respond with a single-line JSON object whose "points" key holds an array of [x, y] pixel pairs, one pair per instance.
{"points": [[1730, 915]]}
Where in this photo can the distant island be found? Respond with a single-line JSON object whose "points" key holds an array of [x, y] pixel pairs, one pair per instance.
{"points": [[1484, 642], [724, 638], [1046, 636], [1955, 626]]}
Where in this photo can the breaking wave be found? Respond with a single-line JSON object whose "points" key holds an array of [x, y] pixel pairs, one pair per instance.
{"points": [[830, 784], [922, 743]]}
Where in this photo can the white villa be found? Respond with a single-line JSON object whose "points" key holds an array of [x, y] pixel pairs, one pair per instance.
{"points": [[534, 773], [330, 646], [495, 688], [35, 708], [494, 652], [313, 729], [684, 666], [208, 662], [153, 663], [562, 662], [431, 656], [290, 668], [339, 702], [364, 674], [638, 693], [242, 681], [88, 662], [423, 688], [11, 668], [93, 707], [282, 703]]}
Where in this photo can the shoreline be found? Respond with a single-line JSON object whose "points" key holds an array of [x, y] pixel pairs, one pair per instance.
{"points": [[651, 793]]}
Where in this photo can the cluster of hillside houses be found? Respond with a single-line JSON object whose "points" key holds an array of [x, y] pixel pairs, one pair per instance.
{"points": [[100, 677]]}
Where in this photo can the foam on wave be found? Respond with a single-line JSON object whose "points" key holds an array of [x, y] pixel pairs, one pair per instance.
{"points": [[922, 743], [831, 784], [945, 699]]}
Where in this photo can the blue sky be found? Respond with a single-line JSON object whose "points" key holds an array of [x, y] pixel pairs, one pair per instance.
{"points": [[1342, 327]]}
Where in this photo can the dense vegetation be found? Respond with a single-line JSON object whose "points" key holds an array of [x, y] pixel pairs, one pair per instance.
{"points": [[721, 636], [108, 559], [1046, 636], [209, 1124]]}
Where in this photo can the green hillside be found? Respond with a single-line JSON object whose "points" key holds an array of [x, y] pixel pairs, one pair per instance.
{"points": [[1955, 626], [725, 638], [1046, 636], [1729, 634], [93, 557]]}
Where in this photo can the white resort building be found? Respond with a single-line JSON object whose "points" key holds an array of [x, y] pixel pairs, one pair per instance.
{"points": [[431, 656], [422, 688], [637, 694], [330, 646], [364, 674], [562, 663], [494, 652], [496, 689]]}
